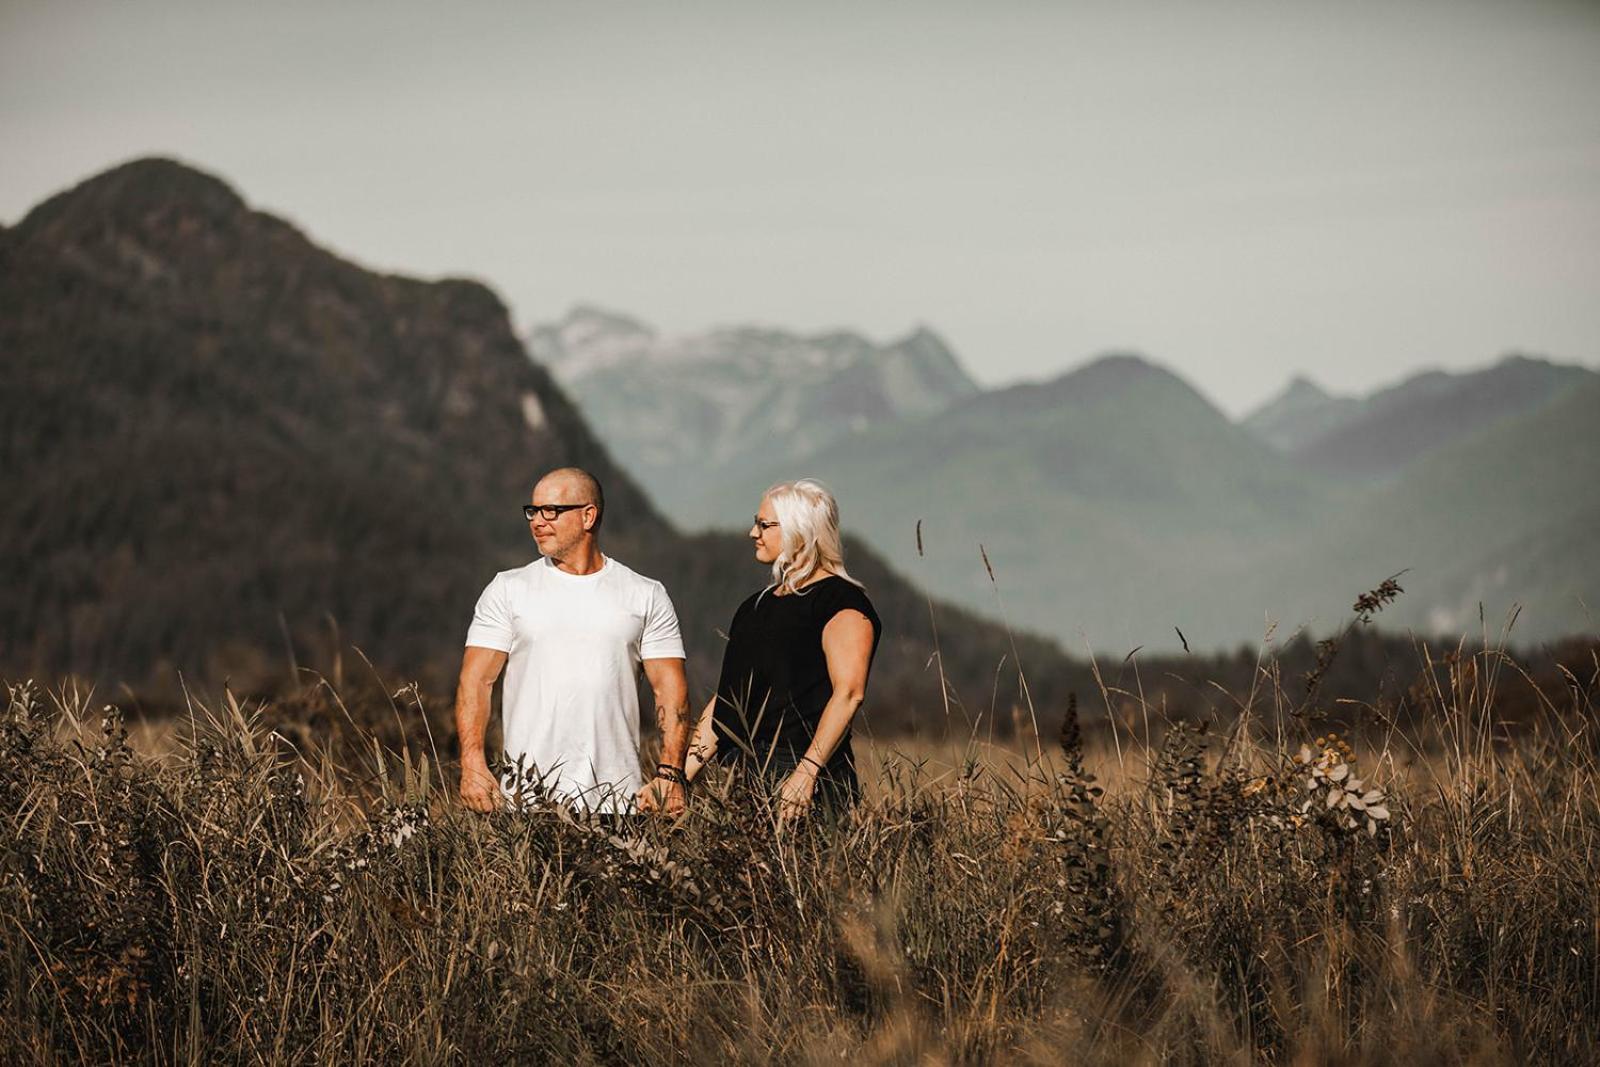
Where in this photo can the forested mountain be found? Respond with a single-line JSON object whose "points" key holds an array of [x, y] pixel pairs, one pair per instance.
{"points": [[683, 412], [215, 437], [210, 422]]}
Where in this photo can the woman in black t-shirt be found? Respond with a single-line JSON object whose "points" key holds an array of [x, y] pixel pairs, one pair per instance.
{"points": [[799, 652]]}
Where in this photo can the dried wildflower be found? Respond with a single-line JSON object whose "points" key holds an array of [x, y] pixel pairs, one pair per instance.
{"points": [[1366, 606], [1331, 786], [393, 825], [1370, 603]]}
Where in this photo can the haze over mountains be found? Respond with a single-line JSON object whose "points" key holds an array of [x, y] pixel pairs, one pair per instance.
{"points": [[1115, 503]]}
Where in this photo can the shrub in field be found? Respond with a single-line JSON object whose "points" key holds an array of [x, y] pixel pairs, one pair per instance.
{"points": [[87, 888]]}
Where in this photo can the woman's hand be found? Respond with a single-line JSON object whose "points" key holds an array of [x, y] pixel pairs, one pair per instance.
{"points": [[794, 795]]}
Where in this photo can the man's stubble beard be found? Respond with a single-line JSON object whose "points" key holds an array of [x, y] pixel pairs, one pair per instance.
{"points": [[561, 550]]}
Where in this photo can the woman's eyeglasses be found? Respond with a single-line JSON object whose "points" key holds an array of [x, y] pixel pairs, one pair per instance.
{"points": [[549, 512], [763, 525]]}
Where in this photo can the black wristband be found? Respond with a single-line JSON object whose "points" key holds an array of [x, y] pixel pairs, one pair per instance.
{"points": [[670, 773], [814, 763]]}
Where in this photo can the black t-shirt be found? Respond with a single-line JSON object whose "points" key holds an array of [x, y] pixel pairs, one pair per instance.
{"points": [[774, 681]]}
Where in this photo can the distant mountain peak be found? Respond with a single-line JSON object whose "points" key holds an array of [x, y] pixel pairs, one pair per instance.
{"points": [[923, 335], [1116, 369], [1102, 378], [1123, 362], [136, 188], [589, 338], [1302, 388], [591, 317], [1302, 410], [924, 341], [1527, 361]]}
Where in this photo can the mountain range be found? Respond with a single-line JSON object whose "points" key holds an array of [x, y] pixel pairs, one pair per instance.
{"points": [[217, 437], [1113, 505], [1380, 435], [680, 410], [1505, 514]]}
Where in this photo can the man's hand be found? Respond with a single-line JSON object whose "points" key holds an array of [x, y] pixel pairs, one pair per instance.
{"points": [[480, 790], [794, 795], [663, 795]]}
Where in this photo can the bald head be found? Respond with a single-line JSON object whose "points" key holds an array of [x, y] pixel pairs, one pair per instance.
{"points": [[572, 485]]}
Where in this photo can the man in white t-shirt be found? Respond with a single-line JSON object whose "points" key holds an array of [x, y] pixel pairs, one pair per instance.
{"points": [[570, 630]]}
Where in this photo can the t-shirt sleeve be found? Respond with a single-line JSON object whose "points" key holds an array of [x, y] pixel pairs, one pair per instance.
{"points": [[491, 620], [846, 596], [661, 639]]}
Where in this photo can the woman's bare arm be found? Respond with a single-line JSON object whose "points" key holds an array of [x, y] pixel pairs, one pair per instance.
{"points": [[847, 645], [703, 745]]}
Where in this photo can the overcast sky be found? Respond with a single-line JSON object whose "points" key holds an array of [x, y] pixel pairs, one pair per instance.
{"points": [[1240, 191]]}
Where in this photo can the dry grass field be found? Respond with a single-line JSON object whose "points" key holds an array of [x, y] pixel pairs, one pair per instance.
{"points": [[252, 885]]}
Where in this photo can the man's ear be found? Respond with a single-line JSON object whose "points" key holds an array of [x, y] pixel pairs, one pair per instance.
{"points": [[590, 514]]}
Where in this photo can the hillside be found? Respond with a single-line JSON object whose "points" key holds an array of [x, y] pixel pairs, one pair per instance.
{"points": [[682, 412]]}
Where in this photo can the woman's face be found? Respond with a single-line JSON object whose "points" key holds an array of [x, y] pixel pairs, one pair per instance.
{"points": [[766, 533]]}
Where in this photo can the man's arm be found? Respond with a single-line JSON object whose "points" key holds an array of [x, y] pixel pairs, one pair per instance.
{"points": [[480, 790], [671, 689]]}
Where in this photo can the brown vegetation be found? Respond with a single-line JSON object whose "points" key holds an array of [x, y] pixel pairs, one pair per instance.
{"points": [[1233, 896]]}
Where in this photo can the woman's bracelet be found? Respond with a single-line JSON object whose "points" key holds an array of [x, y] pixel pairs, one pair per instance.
{"points": [[672, 774], [814, 763]]}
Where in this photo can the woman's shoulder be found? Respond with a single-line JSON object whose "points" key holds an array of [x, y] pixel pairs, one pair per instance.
{"points": [[835, 594]]}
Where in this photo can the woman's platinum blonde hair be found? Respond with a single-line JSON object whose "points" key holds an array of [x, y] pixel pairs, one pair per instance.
{"points": [[808, 517]]}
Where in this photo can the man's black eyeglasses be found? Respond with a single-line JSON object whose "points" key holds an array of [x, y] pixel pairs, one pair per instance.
{"points": [[549, 512]]}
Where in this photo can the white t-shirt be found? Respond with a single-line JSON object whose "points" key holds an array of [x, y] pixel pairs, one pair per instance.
{"points": [[574, 644]]}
